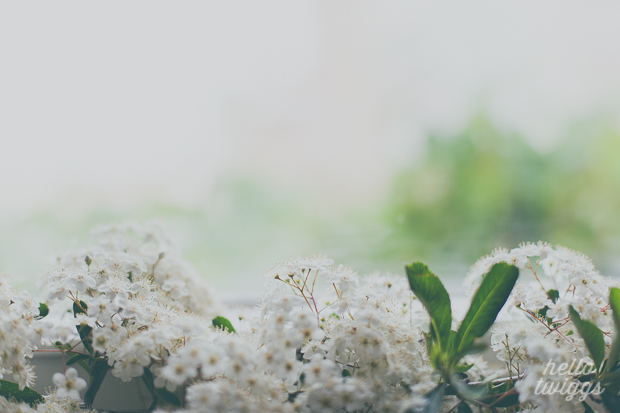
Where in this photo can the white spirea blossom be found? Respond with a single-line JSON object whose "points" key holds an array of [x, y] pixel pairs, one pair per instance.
{"points": [[536, 328], [69, 384], [323, 339], [20, 333]]}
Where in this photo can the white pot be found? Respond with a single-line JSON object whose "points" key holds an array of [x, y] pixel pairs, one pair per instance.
{"points": [[113, 395]]}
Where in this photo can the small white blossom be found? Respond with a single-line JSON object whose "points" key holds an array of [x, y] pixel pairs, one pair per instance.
{"points": [[69, 384]]}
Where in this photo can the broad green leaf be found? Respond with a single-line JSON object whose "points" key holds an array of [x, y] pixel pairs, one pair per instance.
{"points": [[433, 295], [614, 302], [486, 304], [221, 322], [10, 390], [346, 373], [591, 335], [168, 397]]}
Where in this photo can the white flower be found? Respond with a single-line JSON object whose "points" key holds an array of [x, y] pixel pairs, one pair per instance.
{"points": [[101, 307], [551, 265], [178, 370], [79, 280], [69, 384], [177, 288]]}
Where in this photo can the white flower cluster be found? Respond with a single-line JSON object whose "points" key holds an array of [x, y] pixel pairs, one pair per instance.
{"points": [[536, 328], [323, 339], [351, 347], [53, 404], [135, 298], [19, 333]]}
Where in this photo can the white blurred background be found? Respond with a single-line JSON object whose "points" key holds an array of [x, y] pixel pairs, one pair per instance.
{"points": [[141, 110]]}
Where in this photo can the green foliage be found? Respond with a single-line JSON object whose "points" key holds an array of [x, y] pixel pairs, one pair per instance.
{"points": [[43, 310], [10, 390], [486, 304], [85, 331], [482, 187], [445, 347], [435, 399], [587, 408], [223, 323], [591, 335], [168, 397], [99, 368], [614, 302], [432, 294], [462, 368], [464, 408]]}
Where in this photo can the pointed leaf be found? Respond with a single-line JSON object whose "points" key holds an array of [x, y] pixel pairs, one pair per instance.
{"points": [[10, 390], [591, 335], [433, 295], [614, 302], [83, 330], [99, 370], [486, 304]]}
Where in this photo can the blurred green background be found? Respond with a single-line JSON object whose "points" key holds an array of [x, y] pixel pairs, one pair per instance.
{"points": [[376, 133], [470, 193]]}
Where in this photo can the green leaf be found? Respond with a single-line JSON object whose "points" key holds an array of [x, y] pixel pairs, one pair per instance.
{"points": [[435, 399], [148, 379], [62, 346], [346, 373], [462, 368], [591, 335], [168, 397], [486, 304], [469, 391], [10, 390], [84, 364], [221, 322], [433, 295], [43, 310], [79, 309], [84, 330], [498, 397], [554, 295], [464, 408], [614, 302], [76, 357], [587, 408], [99, 368]]}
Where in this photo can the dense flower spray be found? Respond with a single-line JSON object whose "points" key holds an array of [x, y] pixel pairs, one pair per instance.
{"points": [[323, 339]]}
